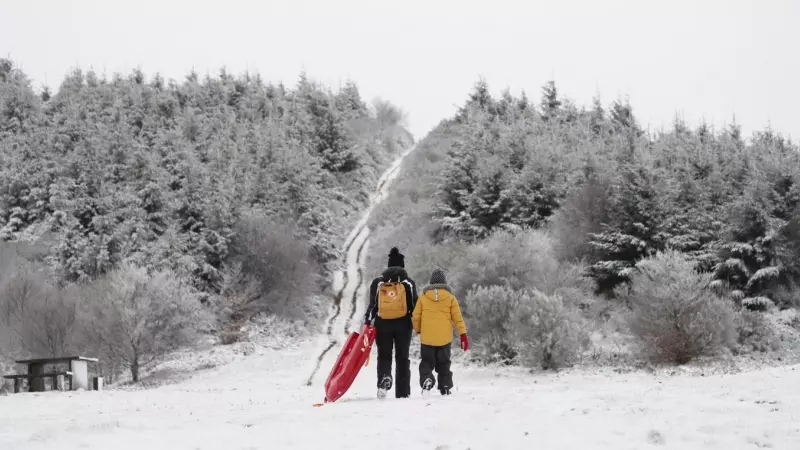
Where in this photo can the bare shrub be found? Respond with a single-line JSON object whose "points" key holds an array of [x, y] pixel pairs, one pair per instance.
{"points": [[676, 316], [269, 270], [550, 334], [516, 260], [229, 336], [521, 260], [421, 258], [491, 322], [525, 326], [38, 317], [387, 114], [755, 332], [786, 297], [139, 317]]}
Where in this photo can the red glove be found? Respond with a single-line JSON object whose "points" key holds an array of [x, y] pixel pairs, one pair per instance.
{"points": [[464, 342]]}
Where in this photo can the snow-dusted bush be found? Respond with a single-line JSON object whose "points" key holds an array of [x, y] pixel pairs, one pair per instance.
{"points": [[524, 326], [521, 260], [550, 334], [387, 114], [269, 270], [422, 259], [792, 319], [137, 317], [491, 322], [786, 297], [36, 316], [756, 332], [517, 260], [676, 316]]}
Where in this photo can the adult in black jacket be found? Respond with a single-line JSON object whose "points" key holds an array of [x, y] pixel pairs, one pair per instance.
{"points": [[393, 332]]}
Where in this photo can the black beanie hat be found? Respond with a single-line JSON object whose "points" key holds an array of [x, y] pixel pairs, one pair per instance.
{"points": [[437, 277], [396, 259]]}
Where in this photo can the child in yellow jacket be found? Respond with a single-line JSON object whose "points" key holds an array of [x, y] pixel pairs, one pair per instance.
{"points": [[434, 315]]}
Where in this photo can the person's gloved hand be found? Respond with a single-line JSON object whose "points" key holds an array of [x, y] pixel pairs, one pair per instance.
{"points": [[464, 342]]}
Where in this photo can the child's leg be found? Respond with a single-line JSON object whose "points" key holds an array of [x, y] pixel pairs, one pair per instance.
{"points": [[443, 367], [426, 365]]}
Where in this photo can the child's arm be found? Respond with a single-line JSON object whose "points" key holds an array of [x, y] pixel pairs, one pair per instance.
{"points": [[458, 319], [416, 316]]}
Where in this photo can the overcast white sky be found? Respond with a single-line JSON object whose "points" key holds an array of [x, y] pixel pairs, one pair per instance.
{"points": [[698, 58]]}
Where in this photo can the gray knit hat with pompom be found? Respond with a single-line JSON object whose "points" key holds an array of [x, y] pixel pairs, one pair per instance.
{"points": [[437, 277]]}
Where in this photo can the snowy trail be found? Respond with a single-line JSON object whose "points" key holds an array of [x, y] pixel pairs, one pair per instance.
{"points": [[350, 284]]}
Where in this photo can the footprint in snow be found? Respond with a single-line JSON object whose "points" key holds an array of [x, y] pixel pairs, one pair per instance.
{"points": [[655, 438], [759, 443]]}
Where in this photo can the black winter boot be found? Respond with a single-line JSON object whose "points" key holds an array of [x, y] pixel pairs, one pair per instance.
{"points": [[384, 386]]}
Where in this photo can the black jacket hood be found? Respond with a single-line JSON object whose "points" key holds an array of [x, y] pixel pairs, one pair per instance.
{"points": [[395, 273]]}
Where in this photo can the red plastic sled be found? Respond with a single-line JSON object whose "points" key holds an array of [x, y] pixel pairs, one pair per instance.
{"points": [[354, 355]]}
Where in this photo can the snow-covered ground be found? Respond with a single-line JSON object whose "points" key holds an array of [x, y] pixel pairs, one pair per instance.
{"points": [[262, 402], [256, 396]]}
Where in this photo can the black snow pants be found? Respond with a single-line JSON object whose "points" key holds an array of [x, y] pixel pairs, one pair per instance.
{"points": [[394, 333], [437, 358]]}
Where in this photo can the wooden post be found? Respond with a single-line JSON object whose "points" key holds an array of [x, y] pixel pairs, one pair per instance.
{"points": [[36, 384], [58, 382], [17, 385]]}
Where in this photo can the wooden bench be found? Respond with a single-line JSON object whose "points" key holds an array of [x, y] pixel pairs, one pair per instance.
{"points": [[58, 379]]}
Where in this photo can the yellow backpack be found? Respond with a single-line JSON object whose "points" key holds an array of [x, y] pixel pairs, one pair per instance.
{"points": [[392, 300]]}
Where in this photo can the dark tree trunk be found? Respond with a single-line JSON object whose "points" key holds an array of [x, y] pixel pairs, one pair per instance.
{"points": [[135, 367]]}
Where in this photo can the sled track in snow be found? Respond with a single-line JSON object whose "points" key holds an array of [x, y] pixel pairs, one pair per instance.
{"points": [[359, 286], [337, 305], [346, 301]]}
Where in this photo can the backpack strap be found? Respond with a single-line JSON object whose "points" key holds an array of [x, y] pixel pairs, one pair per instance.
{"points": [[409, 305], [377, 297]]}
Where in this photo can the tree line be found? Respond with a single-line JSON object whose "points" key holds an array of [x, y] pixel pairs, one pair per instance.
{"points": [[223, 195], [598, 201]]}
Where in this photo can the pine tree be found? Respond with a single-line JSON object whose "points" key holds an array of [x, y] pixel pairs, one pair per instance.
{"points": [[349, 100], [459, 183], [622, 115], [598, 116], [479, 100], [334, 144], [523, 104], [635, 217], [551, 105]]}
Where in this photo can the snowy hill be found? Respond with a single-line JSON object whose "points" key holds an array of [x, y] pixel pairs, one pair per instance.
{"points": [[262, 402]]}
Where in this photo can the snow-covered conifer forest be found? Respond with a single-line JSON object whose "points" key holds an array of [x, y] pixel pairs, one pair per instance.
{"points": [[203, 201], [576, 237]]}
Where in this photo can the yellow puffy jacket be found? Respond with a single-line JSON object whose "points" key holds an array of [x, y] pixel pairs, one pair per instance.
{"points": [[436, 311]]}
